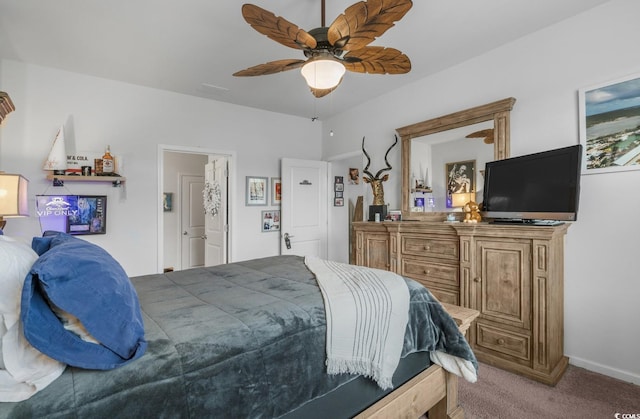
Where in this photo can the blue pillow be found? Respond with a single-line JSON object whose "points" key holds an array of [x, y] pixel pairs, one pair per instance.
{"points": [[85, 281]]}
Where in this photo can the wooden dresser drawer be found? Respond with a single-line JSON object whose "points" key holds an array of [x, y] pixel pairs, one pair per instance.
{"points": [[429, 246], [444, 295], [503, 341], [431, 271]]}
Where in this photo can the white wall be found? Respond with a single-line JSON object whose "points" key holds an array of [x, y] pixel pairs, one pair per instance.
{"points": [[134, 121], [543, 72], [340, 217]]}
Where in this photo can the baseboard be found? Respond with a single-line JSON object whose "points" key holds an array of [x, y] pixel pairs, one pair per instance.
{"points": [[605, 370]]}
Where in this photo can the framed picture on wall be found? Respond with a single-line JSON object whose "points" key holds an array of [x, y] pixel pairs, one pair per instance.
{"points": [[460, 178], [256, 190], [90, 217], [167, 201], [610, 126], [276, 190], [270, 221]]}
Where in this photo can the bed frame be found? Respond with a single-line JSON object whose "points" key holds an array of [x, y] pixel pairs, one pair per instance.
{"points": [[434, 390]]}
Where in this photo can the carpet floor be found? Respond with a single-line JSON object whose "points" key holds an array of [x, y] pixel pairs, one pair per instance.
{"points": [[580, 394]]}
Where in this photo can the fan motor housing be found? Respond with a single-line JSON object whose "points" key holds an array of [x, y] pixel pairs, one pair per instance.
{"points": [[323, 46]]}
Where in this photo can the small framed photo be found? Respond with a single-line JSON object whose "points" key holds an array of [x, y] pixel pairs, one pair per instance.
{"points": [[270, 221], [256, 190], [354, 176], [276, 190], [610, 126], [338, 202], [167, 201], [339, 187], [339, 179], [339, 194]]}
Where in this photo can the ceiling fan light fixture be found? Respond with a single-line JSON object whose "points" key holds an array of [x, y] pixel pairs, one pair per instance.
{"points": [[323, 73]]}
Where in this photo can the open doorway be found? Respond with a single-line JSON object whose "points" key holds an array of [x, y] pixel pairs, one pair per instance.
{"points": [[183, 226]]}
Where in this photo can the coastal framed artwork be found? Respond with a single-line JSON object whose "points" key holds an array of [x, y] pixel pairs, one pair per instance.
{"points": [[610, 126]]}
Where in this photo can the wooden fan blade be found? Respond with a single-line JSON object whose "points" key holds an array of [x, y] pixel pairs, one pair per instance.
{"points": [[323, 92], [364, 21], [277, 28], [271, 67], [487, 134], [377, 60]]}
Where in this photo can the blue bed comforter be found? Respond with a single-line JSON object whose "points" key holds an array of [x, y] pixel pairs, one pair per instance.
{"points": [[240, 340]]}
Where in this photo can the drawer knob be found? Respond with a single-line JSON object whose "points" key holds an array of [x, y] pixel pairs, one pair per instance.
{"points": [[427, 248], [427, 271], [477, 279], [500, 341]]}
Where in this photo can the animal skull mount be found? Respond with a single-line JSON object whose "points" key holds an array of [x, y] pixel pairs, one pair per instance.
{"points": [[376, 181]]}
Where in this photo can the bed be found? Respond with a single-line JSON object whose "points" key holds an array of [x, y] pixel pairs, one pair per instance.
{"points": [[246, 339]]}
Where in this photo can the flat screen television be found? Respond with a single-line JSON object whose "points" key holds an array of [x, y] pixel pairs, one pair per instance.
{"points": [[536, 188]]}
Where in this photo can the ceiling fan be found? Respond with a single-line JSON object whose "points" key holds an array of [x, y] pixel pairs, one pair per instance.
{"points": [[332, 50]]}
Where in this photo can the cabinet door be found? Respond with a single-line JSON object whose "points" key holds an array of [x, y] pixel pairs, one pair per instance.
{"points": [[504, 281], [375, 250]]}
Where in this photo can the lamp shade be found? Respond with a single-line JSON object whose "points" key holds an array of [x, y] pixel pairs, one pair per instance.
{"points": [[461, 199], [13, 195], [323, 73], [57, 159]]}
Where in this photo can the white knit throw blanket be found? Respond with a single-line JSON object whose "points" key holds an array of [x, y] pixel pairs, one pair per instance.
{"points": [[367, 312]]}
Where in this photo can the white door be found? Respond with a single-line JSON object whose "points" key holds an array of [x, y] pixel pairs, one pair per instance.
{"points": [[192, 221], [216, 226], [304, 206]]}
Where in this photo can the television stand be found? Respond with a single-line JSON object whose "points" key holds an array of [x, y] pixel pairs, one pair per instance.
{"points": [[520, 221]]}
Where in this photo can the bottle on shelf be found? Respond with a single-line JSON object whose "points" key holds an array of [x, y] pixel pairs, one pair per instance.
{"points": [[107, 162]]}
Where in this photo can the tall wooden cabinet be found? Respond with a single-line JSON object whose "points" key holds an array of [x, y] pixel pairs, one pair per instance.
{"points": [[511, 274]]}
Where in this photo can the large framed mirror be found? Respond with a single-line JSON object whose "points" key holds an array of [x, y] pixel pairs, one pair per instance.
{"points": [[444, 157]]}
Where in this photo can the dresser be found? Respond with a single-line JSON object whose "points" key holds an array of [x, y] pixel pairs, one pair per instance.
{"points": [[511, 274]]}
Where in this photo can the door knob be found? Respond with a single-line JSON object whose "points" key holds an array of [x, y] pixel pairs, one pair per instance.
{"points": [[185, 233]]}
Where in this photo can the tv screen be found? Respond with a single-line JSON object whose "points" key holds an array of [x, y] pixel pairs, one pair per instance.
{"points": [[541, 186]]}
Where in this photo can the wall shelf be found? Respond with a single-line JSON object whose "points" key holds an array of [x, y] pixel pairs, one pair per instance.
{"points": [[423, 190], [115, 180]]}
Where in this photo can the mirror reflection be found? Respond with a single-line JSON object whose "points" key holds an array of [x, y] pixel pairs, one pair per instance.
{"points": [[443, 158], [446, 167]]}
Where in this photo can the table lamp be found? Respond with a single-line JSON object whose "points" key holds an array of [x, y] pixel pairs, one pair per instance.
{"points": [[13, 197]]}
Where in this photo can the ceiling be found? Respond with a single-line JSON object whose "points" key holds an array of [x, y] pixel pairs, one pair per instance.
{"points": [[194, 46]]}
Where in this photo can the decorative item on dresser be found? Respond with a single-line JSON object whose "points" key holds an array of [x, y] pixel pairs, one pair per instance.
{"points": [[378, 208]]}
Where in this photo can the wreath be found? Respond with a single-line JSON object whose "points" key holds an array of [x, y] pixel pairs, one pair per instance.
{"points": [[211, 194]]}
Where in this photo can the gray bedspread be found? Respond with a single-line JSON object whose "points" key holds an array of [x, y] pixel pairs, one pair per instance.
{"points": [[243, 340]]}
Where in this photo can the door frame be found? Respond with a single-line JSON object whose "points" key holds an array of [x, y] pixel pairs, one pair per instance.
{"points": [[231, 155], [332, 236]]}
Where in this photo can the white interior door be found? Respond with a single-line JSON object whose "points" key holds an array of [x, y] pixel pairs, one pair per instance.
{"points": [[304, 206], [216, 226], [192, 221]]}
